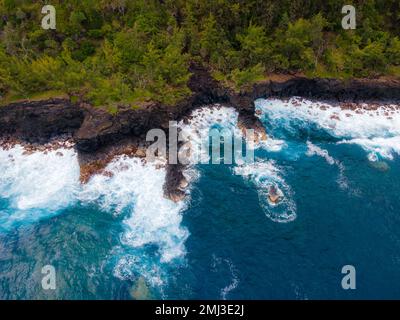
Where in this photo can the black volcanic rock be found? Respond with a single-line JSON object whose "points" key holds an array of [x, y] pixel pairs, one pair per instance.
{"points": [[173, 180], [94, 129], [330, 89], [101, 128], [39, 121]]}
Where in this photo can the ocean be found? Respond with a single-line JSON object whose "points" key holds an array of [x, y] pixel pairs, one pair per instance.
{"points": [[117, 237]]}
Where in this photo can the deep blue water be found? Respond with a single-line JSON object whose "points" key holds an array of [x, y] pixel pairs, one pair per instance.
{"points": [[347, 213]]}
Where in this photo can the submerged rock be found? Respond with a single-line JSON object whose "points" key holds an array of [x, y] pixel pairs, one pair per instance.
{"points": [[140, 291], [380, 165]]}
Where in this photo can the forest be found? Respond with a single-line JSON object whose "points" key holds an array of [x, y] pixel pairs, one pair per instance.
{"points": [[116, 53]]}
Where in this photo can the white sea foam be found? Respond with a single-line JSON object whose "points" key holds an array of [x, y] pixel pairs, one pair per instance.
{"points": [[156, 220], [385, 147], [196, 131], [133, 266], [216, 265], [38, 184], [41, 184], [314, 150], [272, 145], [374, 130], [225, 119], [264, 174], [51, 182], [234, 282], [136, 189]]}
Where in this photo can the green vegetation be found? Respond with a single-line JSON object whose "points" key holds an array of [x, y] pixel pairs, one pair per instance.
{"points": [[121, 52]]}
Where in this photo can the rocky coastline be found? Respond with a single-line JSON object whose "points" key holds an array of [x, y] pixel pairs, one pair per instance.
{"points": [[98, 136]]}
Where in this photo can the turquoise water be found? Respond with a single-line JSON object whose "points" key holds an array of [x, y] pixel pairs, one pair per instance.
{"points": [[118, 238]]}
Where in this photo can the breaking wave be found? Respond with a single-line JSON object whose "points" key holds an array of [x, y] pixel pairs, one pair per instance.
{"points": [[36, 185], [196, 130], [375, 130], [264, 174], [41, 184]]}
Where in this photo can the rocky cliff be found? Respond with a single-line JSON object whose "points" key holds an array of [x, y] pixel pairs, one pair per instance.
{"points": [[97, 133]]}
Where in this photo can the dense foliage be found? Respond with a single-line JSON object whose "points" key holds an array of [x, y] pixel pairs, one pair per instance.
{"points": [[114, 52]]}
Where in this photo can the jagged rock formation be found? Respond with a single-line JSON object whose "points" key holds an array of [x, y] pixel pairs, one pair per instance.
{"points": [[97, 133]]}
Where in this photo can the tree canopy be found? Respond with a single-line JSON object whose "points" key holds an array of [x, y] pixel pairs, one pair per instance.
{"points": [[121, 52]]}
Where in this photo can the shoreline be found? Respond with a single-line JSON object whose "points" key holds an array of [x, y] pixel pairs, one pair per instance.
{"points": [[98, 136]]}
